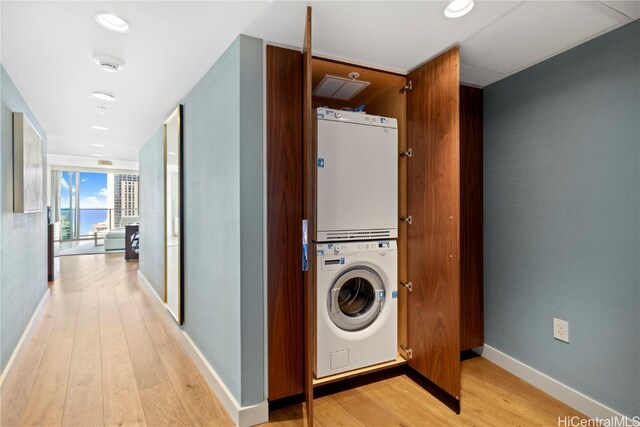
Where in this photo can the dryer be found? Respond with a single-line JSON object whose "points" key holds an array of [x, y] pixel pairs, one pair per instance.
{"points": [[357, 181], [357, 319]]}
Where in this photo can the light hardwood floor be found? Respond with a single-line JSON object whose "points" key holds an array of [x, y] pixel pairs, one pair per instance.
{"points": [[491, 396], [104, 354]]}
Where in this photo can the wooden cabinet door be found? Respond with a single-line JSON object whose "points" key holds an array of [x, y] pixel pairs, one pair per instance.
{"points": [[433, 201], [309, 218], [471, 255], [284, 211]]}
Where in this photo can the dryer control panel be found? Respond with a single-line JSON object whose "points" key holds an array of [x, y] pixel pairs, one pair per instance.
{"points": [[357, 118]]}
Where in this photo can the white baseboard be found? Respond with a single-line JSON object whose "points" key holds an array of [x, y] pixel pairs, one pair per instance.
{"points": [[7, 373], [150, 290], [562, 392], [242, 416]]}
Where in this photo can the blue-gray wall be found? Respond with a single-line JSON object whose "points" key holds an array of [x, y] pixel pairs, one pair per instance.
{"points": [[223, 195], [223, 199], [252, 208], [151, 162], [562, 217], [23, 237]]}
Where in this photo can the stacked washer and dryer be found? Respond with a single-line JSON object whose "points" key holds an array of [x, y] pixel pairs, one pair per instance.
{"points": [[357, 228]]}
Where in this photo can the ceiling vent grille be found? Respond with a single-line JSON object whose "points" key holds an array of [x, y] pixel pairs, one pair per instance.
{"points": [[105, 163], [334, 87], [109, 63]]}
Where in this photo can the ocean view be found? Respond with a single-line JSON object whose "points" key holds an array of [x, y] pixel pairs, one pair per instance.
{"points": [[92, 192], [88, 217]]}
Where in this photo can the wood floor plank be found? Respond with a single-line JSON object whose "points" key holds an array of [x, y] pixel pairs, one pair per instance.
{"points": [[289, 416], [14, 394], [52, 377], [410, 411], [147, 365], [357, 401], [329, 413], [84, 402], [113, 342], [122, 405], [45, 404], [65, 310], [191, 388], [162, 406], [491, 396]]}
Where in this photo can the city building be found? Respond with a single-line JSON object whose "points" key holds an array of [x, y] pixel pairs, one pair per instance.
{"points": [[126, 196]]}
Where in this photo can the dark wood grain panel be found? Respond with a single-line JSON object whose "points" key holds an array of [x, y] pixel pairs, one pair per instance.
{"points": [[284, 211], [433, 200], [471, 260], [50, 253], [309, 170]]}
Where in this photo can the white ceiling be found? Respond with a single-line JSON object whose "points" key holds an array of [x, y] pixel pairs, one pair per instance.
{"points": [[47, 49]]}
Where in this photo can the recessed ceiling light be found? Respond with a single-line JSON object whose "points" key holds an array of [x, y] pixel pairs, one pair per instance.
{"points": [[103, 96], [96, 154], [97, 145], [458, 8], [171, 153], [112, 22], [98, 127], [109, 63]]}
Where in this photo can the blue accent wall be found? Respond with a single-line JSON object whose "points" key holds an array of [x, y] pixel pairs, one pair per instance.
{"points": [[223, 216], [252, 209], [151, 161], [562, 217], [23, 237]]}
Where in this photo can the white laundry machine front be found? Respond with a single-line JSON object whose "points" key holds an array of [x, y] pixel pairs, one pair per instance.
{"points": [[356, 305], [357, 181]]}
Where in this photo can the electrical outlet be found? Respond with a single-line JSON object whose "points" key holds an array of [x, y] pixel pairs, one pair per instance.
{"points": [[561, 329]]}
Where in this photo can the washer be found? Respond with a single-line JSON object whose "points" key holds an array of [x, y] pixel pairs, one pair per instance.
{"points": [[356, 305]]}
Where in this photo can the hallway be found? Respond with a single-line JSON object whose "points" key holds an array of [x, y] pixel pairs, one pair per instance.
{"points": [[102, 354]]}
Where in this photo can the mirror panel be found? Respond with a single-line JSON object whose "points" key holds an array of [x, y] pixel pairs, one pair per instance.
{"points": [[173, 214]]}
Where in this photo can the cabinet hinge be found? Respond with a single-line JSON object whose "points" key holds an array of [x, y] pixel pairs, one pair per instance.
{"points": [[407, 219], [407, 285], [408, 153], [407, 87], [407, 350]]}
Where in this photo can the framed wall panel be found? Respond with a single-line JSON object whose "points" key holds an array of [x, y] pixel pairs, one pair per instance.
{"points": [[28, 166], [173, 219]]}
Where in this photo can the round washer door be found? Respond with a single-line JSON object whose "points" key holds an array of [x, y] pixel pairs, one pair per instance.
{"points": [[356, 299]]}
